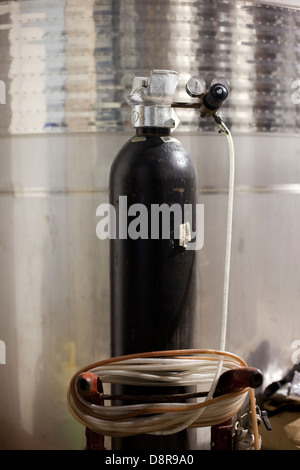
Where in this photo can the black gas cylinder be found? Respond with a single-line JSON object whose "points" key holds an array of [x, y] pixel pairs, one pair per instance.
{"points": [[152, 276]]}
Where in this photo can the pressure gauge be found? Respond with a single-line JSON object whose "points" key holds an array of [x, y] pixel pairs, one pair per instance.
{"points": [[195, 87]]}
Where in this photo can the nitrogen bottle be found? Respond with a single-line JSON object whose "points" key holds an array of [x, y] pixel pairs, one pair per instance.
{"points": [[153, 189]]}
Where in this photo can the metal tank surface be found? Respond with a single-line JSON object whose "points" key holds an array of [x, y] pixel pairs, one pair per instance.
{"points": [[66, 67]]}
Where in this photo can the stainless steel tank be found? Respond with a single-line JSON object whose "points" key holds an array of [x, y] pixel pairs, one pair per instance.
{"points": [[66, 67]]}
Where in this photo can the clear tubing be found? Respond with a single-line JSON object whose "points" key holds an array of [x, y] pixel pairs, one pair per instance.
{"points": [[212, 414], [134, 419], [179, 372]]}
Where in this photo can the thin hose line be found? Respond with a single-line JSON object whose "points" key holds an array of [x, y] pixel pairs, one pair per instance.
{"points": [[228, 234], [227, 250]]}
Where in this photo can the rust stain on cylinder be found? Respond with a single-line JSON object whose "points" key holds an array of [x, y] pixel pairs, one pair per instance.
{"points": [[180, 190]]}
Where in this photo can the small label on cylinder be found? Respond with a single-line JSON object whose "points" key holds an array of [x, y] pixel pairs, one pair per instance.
{"points": [[139, 139], [169, 139], [184, 234]]}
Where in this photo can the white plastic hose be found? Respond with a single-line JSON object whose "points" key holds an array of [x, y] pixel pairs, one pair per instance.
{"points": [[167, 368]]}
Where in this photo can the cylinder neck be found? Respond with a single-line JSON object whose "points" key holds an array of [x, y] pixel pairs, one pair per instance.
{"points": [[153, 131]]}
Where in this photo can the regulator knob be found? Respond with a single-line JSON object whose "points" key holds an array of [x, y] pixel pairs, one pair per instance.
{"points": [[195, 87]]}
